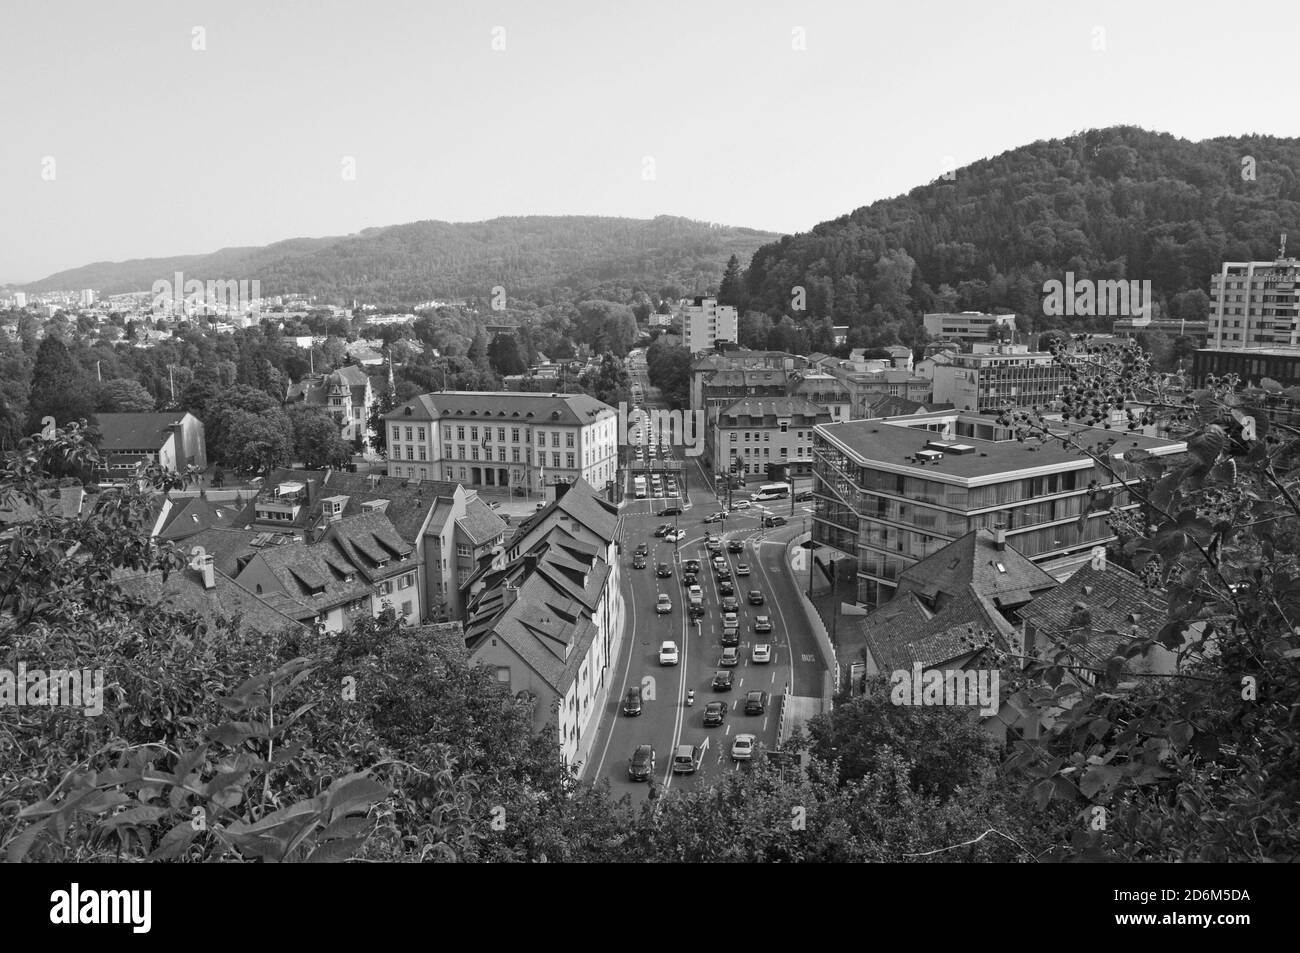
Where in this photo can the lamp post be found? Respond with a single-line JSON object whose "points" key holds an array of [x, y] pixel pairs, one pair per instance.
{"points": [[809, 544]]}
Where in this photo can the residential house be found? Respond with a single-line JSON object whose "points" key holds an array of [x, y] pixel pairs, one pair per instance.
{"points": [[171, 439]]}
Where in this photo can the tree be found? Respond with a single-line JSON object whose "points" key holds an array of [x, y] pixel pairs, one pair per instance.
{"points": [[504, 356], [732, 289], [123, 395], [60, 389], [316, 440], [254, 441], [669, 369]]}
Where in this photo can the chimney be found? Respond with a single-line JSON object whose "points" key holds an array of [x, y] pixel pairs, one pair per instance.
{"points": [[530, 564], [561, 488], [208, 572], [1000, 536]]}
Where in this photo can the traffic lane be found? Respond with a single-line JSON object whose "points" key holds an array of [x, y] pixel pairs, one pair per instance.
{"points": [[805, 657]]}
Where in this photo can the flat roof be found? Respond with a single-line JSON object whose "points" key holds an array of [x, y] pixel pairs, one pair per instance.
{"points": [[889, 445]]}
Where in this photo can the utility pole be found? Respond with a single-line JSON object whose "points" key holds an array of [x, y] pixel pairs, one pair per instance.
{"points": [[171, 375]]}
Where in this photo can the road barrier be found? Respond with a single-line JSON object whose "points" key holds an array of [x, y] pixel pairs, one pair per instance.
{"points": [[820, 635], [780, 721]]}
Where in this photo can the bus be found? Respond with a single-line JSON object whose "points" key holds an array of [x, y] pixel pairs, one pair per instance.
{"points": [[638, 485], [772, 491]]}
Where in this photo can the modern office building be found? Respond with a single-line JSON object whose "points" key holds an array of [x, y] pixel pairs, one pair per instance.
{"points": [[891, 492], [1256, 304], [503, 439], [990, 376], [705, 323], [966, 325]]}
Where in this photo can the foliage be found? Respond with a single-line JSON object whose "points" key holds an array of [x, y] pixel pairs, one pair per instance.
{"points": [[669, 369], [123, 395]]}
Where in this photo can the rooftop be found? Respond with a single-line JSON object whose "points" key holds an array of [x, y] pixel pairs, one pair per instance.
{"points": [[136, 431], [774, 407], [504, 406]]}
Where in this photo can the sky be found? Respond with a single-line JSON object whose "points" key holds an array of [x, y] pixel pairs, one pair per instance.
{"points": [[140, 129]]}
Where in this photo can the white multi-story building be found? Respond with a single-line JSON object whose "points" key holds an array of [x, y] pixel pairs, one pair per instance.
{"points": [[705, 323], [503, 439], [966, 326], [1256, 304]]}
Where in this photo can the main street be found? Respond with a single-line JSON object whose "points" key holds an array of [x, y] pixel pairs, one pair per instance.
{"points": [[666, 720]]}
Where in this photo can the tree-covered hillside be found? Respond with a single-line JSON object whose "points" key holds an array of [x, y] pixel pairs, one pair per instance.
{"points": [[1103, 204], [538, 256]]}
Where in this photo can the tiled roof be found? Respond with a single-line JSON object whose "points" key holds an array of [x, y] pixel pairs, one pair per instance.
{"points": [[135, 431], [973, 561], [505, 406], [774, 407], [480, 522], [366, 541], [190, 515], [582, 503], [294, 563], [903, 632], [1115, 600], [184, 590]]}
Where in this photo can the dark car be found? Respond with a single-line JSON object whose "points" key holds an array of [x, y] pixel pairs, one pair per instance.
{"points": [[729, 604], [714, 712], [755, 703], [726, 588], [663, 530], [755, 597], [663, 570], [730, 636], [715, 518], [735, 546], [770, 521], [691, 565], [642, 549], [638, 562], [803, 496], [670, 511], [722, 681], [632, 703], [690, 579], [642, 763], [697, 612]]}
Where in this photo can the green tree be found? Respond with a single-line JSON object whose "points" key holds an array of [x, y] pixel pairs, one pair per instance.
{"points": [[316, 440], [124, 395], [503, 354], [60, 389], [732, 289]]}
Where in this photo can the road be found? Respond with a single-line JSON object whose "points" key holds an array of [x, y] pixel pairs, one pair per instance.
{"points": [[666, 720]]}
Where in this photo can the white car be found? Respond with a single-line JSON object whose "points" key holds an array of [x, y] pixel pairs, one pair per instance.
{"points": [[668, 653], [742, 749], [729, 618], [763, 623], [675, 536], [664, 605], [740, 505], [762, 653]]}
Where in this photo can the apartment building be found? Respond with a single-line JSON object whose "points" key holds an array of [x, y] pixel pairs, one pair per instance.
{"points": [[705, 323], [345, 394], [1256, 304], [172, 439], [865, 382], [706, 368], [759, 433], [825, 390], [891, 492], [990, 376], [503, 439], [966, 325]]}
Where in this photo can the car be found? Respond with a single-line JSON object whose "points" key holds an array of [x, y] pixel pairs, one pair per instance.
{"points": [[697, 611], [770, 521], [541, 504], [761, 654], [691, 565], [638, 562], [722, 681], [664, 605], [713, 540], [755, 597], [715, 517], [763, 623], [730, 657], [714, 712], [726, 588], [685, 759], [755, 703], [690, 579], [730, 605], [675, 536], [695, 593], [729, 618], [670, 510], [494, 504], [742, 749], [803, 496], [632, 703], [641, 766], [735, 546], [740, 505], [663, 530], [642, 549], [668, 653], [663, 571], [742, 569]]}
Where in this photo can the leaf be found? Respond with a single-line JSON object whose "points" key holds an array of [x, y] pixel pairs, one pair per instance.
{"points": [[336, 850], [136, 815], [348, 793], [1098, 777], [21, 844]]}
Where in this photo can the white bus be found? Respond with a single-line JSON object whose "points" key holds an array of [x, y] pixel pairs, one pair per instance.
{"points": [[638, 485], [772, 491]]}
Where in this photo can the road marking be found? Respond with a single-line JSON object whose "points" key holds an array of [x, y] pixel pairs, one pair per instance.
{"points": [[629, 633]]}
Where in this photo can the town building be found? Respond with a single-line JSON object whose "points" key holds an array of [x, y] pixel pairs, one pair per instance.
{"points": [[825, 390], [501, 439], [967, 325], [171, 439], [761, 437], [1256, 304], [551, 621], [705, 323], [891, 492], [990, 376], [345, 394], [706, 367], [866, 380], [1137, 328]]}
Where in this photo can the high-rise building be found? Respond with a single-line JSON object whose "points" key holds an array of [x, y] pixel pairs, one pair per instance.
{"points": [[705, 323], [87, 297], [20, 299], [1256, 304]]}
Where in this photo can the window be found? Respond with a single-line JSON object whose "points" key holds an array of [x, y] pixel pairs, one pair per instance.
{"points": [[473, 433], [407, 581], [397, 433], [422, 456], [410, 454], [408, 434], [463, 550], [451, 473], [555, 438], [514, 454], [514, 434], [501, 434], [501, 454], [785, 426], [406, 608], [541, 438], [555, 460], [419, 431], [462, 577], [460, 433], [503, 674], [568, 439], [568, 460], [473, 452], [446, 450], [462, 473]]}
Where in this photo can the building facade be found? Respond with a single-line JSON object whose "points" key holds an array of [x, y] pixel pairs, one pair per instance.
{"points": [[345, 394], [502, 439], [757, 434], [991, 376], [1255, 304], [705, 323], [173, 440], [967, 325], [891, 492]]}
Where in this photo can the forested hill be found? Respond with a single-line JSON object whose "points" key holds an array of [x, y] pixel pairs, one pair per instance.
{"points": [[529, 256], [1108, 203]]}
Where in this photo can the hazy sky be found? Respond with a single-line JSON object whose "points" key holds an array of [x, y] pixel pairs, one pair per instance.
{"points": [[162, 149]]}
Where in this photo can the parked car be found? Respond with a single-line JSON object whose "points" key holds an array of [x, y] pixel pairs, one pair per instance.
{"points": [[755, 597], [632, 703], [761, 654], [763, 623], [670, 510], [663, 530], [742, 569], [730, 657], [722, 681], [664, 605], [541, 504], [664, 571], [755, 703], [668, 653], [742, 749], [641, 766], [803, 496], [714, 712]]}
